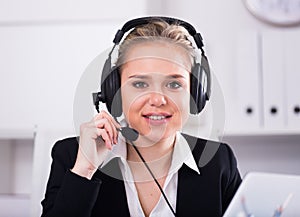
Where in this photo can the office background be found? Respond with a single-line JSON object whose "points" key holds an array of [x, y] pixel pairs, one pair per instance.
{"points": [[46, 45]]}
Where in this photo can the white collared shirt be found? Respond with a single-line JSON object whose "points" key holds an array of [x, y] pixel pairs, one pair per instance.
{"points": [[181, 155]]}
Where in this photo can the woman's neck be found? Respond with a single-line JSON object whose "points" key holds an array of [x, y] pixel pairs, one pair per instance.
{"points": [[151, 151], [158, 157]]}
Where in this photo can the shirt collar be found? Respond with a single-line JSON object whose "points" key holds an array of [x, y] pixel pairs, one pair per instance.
{"points": [[182, 154]]}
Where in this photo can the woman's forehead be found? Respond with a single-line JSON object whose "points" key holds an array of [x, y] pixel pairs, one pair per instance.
{"points": [[157, 76], [153, 65], [160, 51]]}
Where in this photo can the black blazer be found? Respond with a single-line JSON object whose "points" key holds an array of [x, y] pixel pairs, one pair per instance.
{"points": [[207, 194]]}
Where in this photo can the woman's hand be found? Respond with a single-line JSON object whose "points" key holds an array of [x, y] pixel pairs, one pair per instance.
{"points": [[96, 138]]}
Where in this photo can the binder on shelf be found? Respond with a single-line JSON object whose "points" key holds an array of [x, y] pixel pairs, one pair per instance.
{"points": [[273, 71], [248, 80], [292, 53]]}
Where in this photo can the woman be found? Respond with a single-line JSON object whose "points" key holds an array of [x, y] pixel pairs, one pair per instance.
{"points": [[155, 64]]}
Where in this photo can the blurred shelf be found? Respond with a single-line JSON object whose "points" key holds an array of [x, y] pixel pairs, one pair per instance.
{"points": [[15, 205], [27, 132], [262, 137], [262, 133]]}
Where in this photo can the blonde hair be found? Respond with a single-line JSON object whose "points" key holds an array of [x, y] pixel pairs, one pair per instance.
{"points": [[157, 31]]}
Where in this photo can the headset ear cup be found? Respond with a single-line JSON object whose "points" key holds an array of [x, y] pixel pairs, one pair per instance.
{"points": [[198, 97], [194, 95], [111, 86], [201, 102]]}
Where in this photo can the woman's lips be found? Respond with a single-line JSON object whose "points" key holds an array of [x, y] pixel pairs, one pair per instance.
{"points": [[157, 119]]}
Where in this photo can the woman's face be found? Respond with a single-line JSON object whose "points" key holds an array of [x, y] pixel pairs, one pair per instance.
{"points": [[155, 84]]}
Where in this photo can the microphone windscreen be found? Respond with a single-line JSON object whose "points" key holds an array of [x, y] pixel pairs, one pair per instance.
{"points": [[129, 133]]}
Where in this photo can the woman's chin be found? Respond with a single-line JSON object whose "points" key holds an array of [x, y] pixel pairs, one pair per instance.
{"points": [[154, 136]]}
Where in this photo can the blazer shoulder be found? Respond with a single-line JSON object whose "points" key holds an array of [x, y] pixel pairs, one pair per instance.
{"points": [[65, 149], [205, 150], [66, 144]]}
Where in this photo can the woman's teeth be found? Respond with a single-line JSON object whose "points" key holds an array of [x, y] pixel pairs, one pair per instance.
{"points": [[156, 117]]}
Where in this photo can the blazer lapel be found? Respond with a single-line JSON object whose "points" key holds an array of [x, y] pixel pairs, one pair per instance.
{"points": [[112, 200], [190, 184], [187, 192]]}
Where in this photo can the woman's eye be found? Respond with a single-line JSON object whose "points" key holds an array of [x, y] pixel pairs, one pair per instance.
{"points": [[139, 84], [174, 85]]}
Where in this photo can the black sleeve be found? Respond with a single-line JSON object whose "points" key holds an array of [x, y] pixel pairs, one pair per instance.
{"points": [[232, 180], [68, 194]]}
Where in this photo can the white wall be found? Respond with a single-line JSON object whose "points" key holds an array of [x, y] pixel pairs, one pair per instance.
{"points": [[42, 65], [32, 11]]}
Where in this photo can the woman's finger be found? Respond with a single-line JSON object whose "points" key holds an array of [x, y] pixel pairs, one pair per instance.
{"points": [[106, 138], [108, 126], [114, 124], [104, 114]]}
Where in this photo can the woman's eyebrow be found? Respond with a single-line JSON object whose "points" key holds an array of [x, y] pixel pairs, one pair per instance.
{"points": [[148, 76], [176, 76], [139, 76]]}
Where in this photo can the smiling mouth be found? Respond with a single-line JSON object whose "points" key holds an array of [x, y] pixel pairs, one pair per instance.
{"points": [[156, 117]]}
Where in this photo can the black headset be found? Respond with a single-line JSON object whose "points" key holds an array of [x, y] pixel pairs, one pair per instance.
{"points": [[200, 79]]}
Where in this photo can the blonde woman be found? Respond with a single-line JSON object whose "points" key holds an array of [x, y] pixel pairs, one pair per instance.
{"points": [[105, 173]]}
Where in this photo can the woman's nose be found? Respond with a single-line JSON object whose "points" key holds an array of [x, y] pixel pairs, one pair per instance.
{"points": [[157, 99]]}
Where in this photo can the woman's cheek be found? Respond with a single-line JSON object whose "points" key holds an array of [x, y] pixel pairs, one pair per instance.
{"points": [[132, 105], [181, 100]]}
